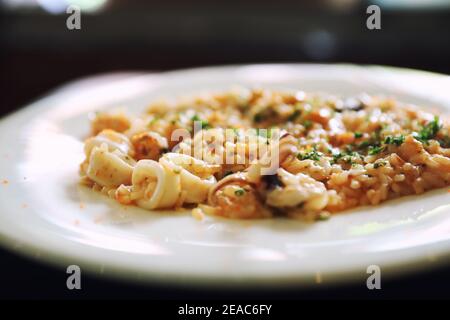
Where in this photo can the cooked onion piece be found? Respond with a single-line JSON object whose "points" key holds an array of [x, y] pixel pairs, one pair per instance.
{"points": [[235, 197]]}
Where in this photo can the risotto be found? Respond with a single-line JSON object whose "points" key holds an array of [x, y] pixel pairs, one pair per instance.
{"points": [[253, 153]]}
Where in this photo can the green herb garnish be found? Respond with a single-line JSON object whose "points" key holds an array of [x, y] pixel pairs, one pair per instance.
{"points": [[429, 130], [153, 121], [323, 216], [336, 157], [395, 140], [373, 150], [312, 155], [265, 133], [239, 192], [348, 155], [307, 124], [204, 123]]}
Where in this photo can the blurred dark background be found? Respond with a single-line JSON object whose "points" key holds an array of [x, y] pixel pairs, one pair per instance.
{"points": [[38, 53]]}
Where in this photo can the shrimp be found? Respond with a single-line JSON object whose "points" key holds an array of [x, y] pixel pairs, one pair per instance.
{"points": [[148, 145]]}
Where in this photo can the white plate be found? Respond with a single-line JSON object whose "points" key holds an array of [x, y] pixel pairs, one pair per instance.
{"points": [[46, 214]]}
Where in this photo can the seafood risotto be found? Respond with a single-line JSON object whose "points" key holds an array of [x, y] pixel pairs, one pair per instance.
{"points": [[254, 153]]}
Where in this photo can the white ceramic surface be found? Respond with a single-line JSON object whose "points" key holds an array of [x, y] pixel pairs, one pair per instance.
{"points": [[44, 213]]}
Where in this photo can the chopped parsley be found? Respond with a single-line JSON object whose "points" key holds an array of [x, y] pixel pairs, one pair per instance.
{"points": [[323, 216], [372, 142], [347, 155], [348, 158], [204, 123], [358, 135], [265, 133], [354, 154], [395, 140], [373, 150], [337, 156], [239, 192], [307, 124], [312, 155], [153, 121], [429, 130]]}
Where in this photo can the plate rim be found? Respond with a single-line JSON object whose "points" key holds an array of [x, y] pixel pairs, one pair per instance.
{"points": [[56, 257]]}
